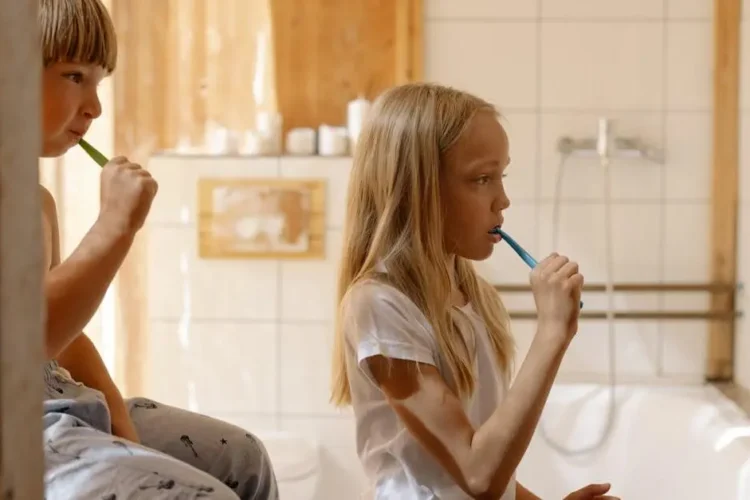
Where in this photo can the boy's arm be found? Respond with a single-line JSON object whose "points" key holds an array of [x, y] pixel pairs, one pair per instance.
{"points": [[85, 365], [80, 357], [77, 286]]}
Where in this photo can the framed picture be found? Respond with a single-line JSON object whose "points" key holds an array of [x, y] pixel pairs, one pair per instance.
{"points": [[241, 218]]}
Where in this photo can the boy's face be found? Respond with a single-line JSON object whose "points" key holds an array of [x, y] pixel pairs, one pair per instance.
{"points": [[70, 103]]}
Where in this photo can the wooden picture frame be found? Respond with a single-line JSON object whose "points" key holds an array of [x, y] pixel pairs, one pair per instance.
{"points": [[259, 218]]}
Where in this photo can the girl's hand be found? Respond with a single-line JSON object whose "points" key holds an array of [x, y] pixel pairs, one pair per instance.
{"points": [[592, 492], [556, 284]]}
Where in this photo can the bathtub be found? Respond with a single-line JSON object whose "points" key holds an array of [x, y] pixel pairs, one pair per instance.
{"points": [[686, 443]]}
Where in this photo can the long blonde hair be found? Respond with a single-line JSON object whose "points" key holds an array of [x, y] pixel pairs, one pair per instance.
{"points": [[394, 215]]}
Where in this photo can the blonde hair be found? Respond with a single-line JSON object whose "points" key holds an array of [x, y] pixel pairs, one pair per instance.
{"points": [[77, 31], [394, 215]]}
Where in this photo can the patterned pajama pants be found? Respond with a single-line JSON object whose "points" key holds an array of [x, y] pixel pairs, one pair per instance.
{"points": [[183, 455]]}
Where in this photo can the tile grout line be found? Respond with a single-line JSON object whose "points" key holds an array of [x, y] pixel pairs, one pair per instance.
{"points": [[660, 344], [538, 139], [278, 339]]}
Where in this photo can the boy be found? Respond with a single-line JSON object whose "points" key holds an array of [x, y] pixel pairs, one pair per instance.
{"points": [[96, 444]]}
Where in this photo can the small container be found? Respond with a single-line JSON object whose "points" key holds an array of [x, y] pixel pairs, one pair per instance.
{"points": [[333, 141], [301, 141]]}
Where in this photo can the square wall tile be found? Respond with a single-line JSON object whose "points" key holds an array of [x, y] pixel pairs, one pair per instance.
{"points": [[602, 9], [523, 137], [177, 200], [308, 288], [583, 177], [602, 66], [690, 65], [637, 239], [685, 348], [479, 9], [686, 242], [690, 9], [216, 367], [499, 67], [743, 245], [180, 284], [336, 173], [688, 156], [635, 349], [582, 236], [576, 231], [742, 349], [306, 351], [504, 266]]}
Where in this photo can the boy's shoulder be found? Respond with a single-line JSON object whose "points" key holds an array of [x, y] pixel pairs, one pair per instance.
{"points": [[49, 206]]}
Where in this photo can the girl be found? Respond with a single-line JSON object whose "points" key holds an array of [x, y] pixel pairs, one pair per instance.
{"points": [[97, 445], [423, 350]]}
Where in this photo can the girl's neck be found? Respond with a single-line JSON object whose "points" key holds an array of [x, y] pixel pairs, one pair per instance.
{"points": [[458, 298]]}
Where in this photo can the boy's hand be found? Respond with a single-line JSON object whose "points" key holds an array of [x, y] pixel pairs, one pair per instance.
{"points": [[127, 191], [592, 492]]}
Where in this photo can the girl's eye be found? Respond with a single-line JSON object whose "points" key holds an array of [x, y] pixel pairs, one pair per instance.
{"points": [[483, 179]]}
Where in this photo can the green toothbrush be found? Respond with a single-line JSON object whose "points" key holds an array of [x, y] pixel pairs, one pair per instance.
{"points": [[94, 153]]}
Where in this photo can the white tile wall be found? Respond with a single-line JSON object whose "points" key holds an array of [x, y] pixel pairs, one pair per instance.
{"points": [[602, 65], [648, 65], [583, 178], [602, 9], [480, 9], [689, 84], [497, 70], [687, 170]]}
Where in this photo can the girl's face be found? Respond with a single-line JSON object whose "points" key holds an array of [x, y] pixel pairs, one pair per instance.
{"points": [[70, 102], [472, 190]]}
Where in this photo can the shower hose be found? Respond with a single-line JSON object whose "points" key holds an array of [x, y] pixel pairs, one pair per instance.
{"points": [[609, 265]]}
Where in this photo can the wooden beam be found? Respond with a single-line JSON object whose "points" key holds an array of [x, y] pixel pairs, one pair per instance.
{"points": [[719, 366], [21, 262], [409, 41]]}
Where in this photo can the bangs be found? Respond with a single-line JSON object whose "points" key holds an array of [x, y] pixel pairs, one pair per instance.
{"points": [[79, 31]]}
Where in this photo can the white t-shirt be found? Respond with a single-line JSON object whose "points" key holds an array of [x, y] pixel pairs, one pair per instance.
{"points": [[380, 320]]}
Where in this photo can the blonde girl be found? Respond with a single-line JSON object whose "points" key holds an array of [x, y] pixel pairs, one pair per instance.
{"points": [[423, 351]]}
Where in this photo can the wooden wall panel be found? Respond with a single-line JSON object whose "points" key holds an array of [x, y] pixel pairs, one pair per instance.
{"points": [[725, 176], [21, 262], [329, 52]]}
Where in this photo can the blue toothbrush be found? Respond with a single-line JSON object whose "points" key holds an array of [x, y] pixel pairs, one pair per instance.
{"points": [[525, 256]]}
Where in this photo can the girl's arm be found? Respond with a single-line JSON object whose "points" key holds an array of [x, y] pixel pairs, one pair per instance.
{"points": [[481, 461]]}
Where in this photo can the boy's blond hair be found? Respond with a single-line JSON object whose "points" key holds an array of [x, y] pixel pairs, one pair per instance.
{"points": [[77, 31], [394, 215]]}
